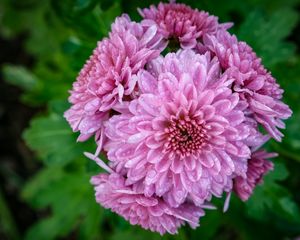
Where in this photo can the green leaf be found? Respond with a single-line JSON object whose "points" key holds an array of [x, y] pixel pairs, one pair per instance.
{"points": [[7, 223], [41, 181], [138, 233], [72, 8], [290, 208], [19, 76], [290, 82], [108, 17], [273, 197], [53, 140], [134, 235], [266, 34], [80, 15], [71, 199], [290, 146], [209, 225]]}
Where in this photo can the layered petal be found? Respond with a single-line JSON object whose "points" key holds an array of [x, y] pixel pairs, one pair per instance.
{"points": [[252, 81], [258, 166], [108, 76], [179, 22], [149, 212], [188, 139]]}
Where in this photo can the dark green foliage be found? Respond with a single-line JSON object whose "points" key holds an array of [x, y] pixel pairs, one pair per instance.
{"points": [[266, 35], [72, 204], [59, 36]]}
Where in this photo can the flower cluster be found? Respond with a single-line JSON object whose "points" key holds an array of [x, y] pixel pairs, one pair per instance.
{"points": [[179, 128]]}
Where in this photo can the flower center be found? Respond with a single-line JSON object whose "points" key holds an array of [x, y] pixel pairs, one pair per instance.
{"points": [[184, 136]]}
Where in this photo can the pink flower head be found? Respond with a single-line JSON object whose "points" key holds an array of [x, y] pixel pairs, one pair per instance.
{"points": [[106, 78], [183, 23], [255, 85], [258, 166], [183, 137], [180, 129], [149, 212]]}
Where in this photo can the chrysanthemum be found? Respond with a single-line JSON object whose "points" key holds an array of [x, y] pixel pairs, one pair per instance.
{"points": [[180, 129], [258, 166], [149, 212], [181, 23], [184, 137], [254, 84], [106, 78]]}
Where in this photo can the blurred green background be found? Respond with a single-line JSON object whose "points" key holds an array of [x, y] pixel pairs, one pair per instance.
{"points": [[44, 177]]}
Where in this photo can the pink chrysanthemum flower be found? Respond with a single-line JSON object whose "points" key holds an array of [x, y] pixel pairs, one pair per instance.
{"points": [[84, 116], [149, 212], [255, 85], [180, 129], [184, 137], [106, 78], [258, 166], [182, 23]]}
